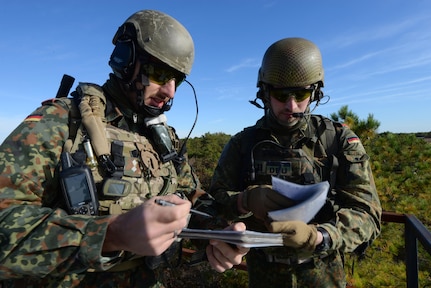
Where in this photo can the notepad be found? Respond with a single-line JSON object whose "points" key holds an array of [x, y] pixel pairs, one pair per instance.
{"points": [[245, 238]]}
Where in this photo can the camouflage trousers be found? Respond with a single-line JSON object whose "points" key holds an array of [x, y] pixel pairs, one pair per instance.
{"points": [[129, 279], [326, 272]]}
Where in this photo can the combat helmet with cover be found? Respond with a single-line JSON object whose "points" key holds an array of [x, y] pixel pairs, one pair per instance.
{"points": [[291, 63], [155, 33]]}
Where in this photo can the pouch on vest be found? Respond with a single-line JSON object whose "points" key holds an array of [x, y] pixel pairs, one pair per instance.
{"points": [[161, 137], [271, 159]]}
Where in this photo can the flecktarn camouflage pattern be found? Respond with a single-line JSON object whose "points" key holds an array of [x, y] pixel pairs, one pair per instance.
{"points": [[43, 246], [337, 152]]}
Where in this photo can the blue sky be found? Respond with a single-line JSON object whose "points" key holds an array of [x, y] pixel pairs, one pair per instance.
{"points": [[376, 55]]}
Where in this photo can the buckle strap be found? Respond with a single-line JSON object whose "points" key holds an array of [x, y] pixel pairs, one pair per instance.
{"points": [[293, 260], [288, 261]]}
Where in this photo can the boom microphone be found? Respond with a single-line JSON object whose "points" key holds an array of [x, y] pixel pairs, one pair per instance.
{"points": [[298, 115]]}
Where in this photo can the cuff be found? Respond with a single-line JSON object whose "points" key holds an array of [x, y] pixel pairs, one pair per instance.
{"points": [[91, 247]]}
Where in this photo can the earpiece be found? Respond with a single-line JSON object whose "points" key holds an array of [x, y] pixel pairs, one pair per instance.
{"points": [[317, 96], [122, 60], [260, 94]]}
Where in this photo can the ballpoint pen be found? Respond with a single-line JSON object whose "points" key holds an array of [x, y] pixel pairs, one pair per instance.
{"points": [[167, 203]]}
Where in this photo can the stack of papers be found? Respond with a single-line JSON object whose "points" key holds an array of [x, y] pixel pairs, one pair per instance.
{"points": [[245, 238], [310, 199]]}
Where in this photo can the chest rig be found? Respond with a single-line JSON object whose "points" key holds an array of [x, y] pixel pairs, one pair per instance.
{"points": [[125, 166], [310, 158]]}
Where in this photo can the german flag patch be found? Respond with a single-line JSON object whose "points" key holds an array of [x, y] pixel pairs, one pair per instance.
{"points": [[33, 118], [353, 140]]}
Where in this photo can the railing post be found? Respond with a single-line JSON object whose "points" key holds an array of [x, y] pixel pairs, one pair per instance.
{"points": [[411, 246]]}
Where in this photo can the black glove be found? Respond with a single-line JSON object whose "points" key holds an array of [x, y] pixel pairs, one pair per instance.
{"points": [[260, 199]]}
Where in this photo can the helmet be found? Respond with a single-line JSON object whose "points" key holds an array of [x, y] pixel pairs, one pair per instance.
{"points": [[157, 34], [291, 62]]}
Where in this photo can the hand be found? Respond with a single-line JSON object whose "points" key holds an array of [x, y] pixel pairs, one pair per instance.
{"points": [[296, 234], [148, 229], [223, 256], [260, 199]]}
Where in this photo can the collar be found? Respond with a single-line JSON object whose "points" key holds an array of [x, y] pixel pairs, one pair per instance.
{"points": [[119, 107]]}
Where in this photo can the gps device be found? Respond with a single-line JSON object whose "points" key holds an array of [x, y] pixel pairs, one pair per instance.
{"points": [[79, 189]]}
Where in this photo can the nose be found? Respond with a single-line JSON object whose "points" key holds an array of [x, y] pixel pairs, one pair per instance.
{"points": [[168, 89], [290, 103]]}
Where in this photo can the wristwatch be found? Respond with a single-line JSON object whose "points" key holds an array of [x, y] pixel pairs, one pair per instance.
{"points": [[326, 241]]}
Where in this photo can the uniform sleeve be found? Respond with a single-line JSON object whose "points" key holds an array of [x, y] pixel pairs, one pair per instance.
{"points": [[358, 213], [226, 182], [37, 240], [188, 182]]}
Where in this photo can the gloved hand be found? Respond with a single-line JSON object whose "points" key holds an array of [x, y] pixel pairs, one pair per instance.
{"points": [[260, 199], [296, 234]]}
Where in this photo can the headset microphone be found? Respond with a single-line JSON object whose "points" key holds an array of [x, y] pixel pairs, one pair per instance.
{"points": [[298, 115]]}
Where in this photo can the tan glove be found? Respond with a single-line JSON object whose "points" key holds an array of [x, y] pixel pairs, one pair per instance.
{"points": [[296, 234], [260, 199]]}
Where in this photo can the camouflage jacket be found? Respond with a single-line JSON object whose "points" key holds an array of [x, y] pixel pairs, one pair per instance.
{"points": [[353, 211], [41, 245]]}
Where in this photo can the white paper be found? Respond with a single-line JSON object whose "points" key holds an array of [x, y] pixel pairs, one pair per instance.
{"points": [[245, 238], [310, 199]]}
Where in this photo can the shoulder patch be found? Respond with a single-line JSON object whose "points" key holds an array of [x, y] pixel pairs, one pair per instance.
{"points": [[353, 140], [33, 118]]}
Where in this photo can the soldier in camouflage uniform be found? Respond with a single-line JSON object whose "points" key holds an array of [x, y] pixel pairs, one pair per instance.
{"points": [[117, 131], [291, 143]]}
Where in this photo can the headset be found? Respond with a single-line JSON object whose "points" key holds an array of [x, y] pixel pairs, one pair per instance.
{"points": [[123, 59]]}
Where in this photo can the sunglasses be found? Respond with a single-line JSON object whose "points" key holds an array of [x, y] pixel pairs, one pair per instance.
{"points": [[299, 94], [161, 75]]}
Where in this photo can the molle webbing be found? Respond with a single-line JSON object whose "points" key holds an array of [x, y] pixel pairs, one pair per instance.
{"points": [[320, 129]]}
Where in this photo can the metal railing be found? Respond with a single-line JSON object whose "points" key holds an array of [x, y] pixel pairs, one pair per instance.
{"points": [[414, 231]]}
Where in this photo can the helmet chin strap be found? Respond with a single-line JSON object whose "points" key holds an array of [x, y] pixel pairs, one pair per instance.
{"points": [[140, 93]]}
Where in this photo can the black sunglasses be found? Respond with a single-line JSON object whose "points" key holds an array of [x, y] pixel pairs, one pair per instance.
{"points": [[299, 94], [161, 74]]}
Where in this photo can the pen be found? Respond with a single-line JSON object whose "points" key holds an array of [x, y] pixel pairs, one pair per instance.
{"points": [[167, 203]]}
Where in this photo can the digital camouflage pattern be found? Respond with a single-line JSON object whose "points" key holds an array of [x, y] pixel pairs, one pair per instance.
{"points": [[43, 246], [351, 215]]}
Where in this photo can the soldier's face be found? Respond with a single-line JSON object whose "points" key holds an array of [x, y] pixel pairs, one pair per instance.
{"points": [[156, 95], [283, 110]]}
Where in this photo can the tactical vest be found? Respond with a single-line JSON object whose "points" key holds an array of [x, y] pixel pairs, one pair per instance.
{"points": [[311, 160], [135, 159]]}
